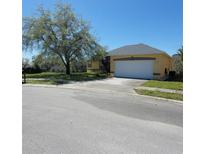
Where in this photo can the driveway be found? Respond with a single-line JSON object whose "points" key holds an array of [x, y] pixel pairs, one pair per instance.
{"points": [[111, 84], [76, 121]]}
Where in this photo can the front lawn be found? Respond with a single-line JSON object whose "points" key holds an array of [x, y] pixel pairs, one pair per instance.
{"points": [[174, 96], [60, 78], [164, 84], [44, 75]]}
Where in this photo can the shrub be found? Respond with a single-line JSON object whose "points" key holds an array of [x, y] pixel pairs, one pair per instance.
{"points": [[173, 76]]}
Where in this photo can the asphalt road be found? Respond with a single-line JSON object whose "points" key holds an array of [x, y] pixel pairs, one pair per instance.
{"points": [[74, 121]]}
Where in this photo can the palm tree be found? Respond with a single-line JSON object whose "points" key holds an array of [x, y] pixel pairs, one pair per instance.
{"points": [[180, 53]]}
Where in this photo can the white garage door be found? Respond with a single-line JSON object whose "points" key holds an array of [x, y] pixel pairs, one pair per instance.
{"points": [[134, 69]]}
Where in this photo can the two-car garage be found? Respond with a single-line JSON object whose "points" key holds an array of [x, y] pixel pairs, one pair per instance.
{"points": [[139, 61], [134, 68]]}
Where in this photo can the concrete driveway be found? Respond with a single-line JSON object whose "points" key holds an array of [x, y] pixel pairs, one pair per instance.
{"points": [[76, 121], [111, 84]]}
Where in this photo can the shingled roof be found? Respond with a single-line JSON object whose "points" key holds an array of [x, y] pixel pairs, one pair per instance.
{"points": [[137, 49]]}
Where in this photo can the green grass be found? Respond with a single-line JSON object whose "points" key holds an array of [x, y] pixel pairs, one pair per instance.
{"points": [[164, 84], [60, 78], [174, 96], [48, 75]]}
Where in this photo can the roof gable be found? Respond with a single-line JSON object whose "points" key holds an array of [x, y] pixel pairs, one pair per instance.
{"points": [[137, 49]]}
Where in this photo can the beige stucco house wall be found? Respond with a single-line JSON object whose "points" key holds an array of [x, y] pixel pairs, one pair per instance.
{"points": [[93, 65]]}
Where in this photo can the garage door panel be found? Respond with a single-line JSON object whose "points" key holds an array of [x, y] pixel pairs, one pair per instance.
{"points": [[134, 69]]}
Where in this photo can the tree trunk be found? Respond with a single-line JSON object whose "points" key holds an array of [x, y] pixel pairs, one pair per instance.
{"points": [[68, 69]]}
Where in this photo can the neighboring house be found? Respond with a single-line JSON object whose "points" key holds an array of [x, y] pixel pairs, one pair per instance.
{"points": [[137, 61]]}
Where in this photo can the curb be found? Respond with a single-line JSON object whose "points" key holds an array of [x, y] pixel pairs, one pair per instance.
{"points": [[61, 87], [39, 85], [159, 98]]}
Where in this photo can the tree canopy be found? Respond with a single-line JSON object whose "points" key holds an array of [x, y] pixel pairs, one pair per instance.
{"points": [[48, 62], [60, 32], [25, 63], [100, 54]]}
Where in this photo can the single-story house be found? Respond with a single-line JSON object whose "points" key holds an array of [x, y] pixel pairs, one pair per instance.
{"points": [[136, 61]]}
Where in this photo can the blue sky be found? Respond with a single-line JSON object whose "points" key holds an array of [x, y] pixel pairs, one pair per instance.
{"points": [[158, 23]]}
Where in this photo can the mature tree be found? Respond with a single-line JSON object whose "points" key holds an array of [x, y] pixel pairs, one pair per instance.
{"points": [[60, 32], [79, 66]]}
